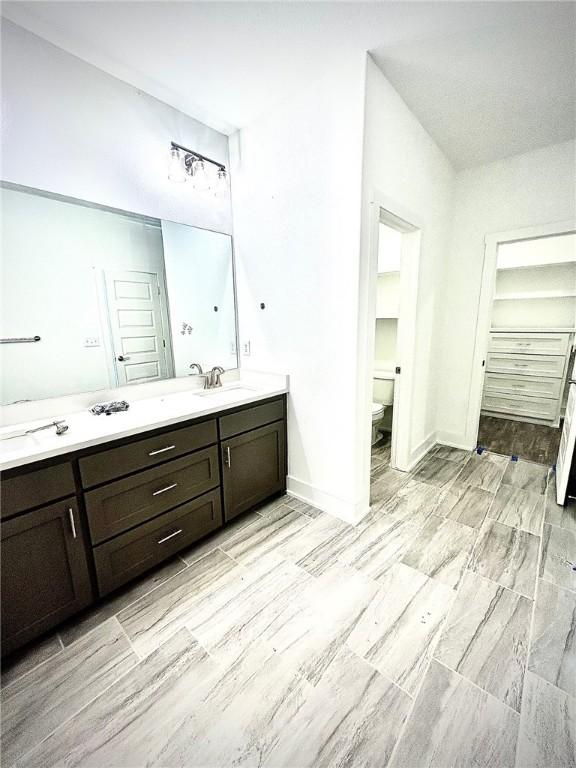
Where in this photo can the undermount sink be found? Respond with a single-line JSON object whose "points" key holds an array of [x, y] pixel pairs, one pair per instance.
{"points": [[16, 441], [237, 389]]}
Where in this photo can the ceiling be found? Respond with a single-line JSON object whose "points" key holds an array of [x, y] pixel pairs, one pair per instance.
{"points": [[486, 79]]}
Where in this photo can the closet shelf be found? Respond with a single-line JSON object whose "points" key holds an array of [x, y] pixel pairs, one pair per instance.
{"points": [[531, 329], [561, 294], [537, 266], [387, 317]]}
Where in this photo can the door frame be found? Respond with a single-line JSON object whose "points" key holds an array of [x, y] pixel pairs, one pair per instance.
{"points": [[383, 209], [484, 313]]}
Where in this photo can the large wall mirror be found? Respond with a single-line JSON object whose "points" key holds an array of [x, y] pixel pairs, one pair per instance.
{"points": [[115, 298]]}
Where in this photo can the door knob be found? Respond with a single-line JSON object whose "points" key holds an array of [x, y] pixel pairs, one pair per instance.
{"points": [[121, 358]]}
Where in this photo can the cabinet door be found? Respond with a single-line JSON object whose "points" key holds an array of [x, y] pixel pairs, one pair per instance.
{"points": [[254, 467], [44, 571]]}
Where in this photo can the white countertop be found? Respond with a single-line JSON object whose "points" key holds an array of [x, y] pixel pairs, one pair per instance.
{"points": [[86, 429]]}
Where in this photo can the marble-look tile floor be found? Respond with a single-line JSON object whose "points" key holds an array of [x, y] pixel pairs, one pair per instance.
{"points": [[440, 631]]}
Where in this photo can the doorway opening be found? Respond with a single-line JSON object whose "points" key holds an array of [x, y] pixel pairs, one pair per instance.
{"points": [[524, 357], [395, 250]]}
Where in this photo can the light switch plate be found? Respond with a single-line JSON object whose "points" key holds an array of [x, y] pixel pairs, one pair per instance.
{"points": [[91, 341], [246, 348]]}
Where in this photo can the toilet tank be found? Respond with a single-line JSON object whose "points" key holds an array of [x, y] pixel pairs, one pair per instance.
{"points": [[383, 391]]}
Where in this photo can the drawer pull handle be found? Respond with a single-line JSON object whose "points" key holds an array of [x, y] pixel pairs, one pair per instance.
{"points": [[170, 536], [162, 450], [163, 490], [521, 365], [72, 523], [227, 459]]}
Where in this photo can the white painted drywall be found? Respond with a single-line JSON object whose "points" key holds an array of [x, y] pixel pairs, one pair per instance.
{"points": [[404, 164], [199, 279], [70, 128], [523, 191], [54, 255], [296, 202]]}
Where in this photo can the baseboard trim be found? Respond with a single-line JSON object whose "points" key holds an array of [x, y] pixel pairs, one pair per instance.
{"points": [[421, 450], [454, 440], [347, 511]]}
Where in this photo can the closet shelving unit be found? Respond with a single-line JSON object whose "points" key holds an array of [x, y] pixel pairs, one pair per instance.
{"points": [[387, 310], [531, 339]]}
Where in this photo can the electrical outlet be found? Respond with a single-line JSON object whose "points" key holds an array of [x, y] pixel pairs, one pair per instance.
{"points": [[91, 341], [246, 348]]}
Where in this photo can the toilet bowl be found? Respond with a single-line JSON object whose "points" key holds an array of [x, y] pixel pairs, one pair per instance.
{"points": [[382, 398], [377, 414]]}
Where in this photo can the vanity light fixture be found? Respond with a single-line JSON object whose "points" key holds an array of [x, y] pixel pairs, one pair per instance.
{"points": [[206, 174]]}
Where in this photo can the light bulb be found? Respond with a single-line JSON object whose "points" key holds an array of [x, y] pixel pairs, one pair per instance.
{"points": [[176, 171], [221, 186], [200, 176]]}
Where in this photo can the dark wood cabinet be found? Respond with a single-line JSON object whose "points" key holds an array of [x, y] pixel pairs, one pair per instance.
{"points": [[124, 504], [83, 525], [140, 454], [24, 492], [44, 571], [132, 553], [253, 467]]}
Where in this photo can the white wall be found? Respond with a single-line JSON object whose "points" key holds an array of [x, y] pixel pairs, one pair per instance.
{"points": [[296, 203], [69, 128], [535, 188], [404, 164]]}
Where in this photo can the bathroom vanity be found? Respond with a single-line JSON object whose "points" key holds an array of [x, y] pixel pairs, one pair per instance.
{"points": [[149, 302], [79, 524]]}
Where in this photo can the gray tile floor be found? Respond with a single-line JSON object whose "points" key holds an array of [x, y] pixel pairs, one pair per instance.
{"points": [[440, 631]]}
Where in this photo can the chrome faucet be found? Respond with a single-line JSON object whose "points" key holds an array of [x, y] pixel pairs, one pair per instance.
{"points": [[213, 378], [60, 425], [200, 372]]}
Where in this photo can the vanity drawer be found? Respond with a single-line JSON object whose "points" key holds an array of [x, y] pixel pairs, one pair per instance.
{"points": [[134, 552], [116, 462], [532, 343], [250, 418], [527, 407], [118, 506], [32, 489], [532, 386], [526, 365]]}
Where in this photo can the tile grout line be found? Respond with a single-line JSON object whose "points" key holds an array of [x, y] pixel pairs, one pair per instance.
{"points": [[497, 583], [558, 586], [378, 672], [433, 651], [475, 685], [130, 643], [133, 602], [414, 698], [430, 658], [65, 722], [531, 628], [501, 586], [556, 688], [487, 517], [34, 668]]}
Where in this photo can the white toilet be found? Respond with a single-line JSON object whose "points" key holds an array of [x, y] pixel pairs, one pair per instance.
{"points": [[382, 398]]}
